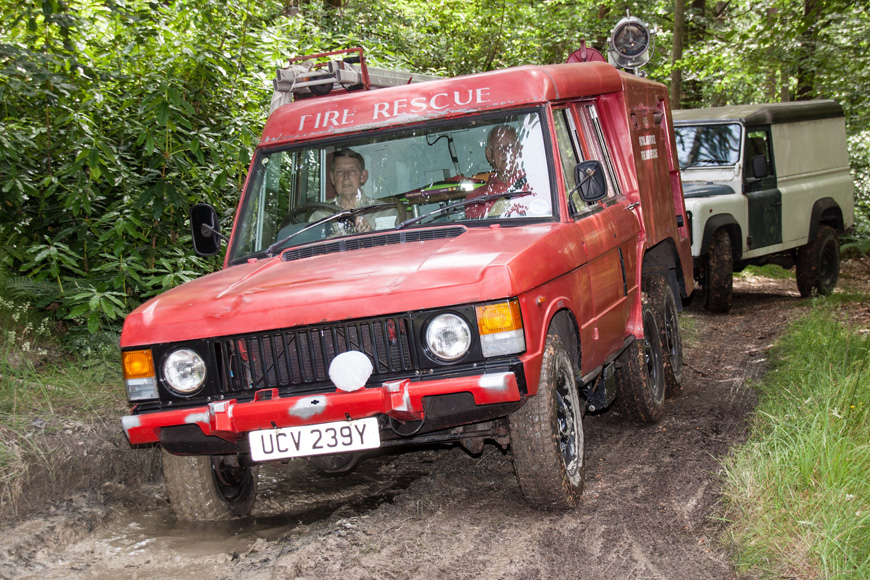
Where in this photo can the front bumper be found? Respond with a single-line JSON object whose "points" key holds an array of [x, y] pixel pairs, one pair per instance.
{"points": [[402, 400]]}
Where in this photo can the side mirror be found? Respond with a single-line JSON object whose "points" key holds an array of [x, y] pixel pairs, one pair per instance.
{"points": [[589, 180], [759, 167], [205, 229]]}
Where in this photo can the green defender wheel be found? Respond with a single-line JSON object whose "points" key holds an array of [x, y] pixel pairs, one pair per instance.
{"points": [[818, 264], [719, 273]]}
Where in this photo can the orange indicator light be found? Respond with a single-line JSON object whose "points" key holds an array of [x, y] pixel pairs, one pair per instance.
{"points": [[499, 317], [138, 364]]}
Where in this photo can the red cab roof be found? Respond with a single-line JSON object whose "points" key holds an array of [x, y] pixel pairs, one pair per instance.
{"points": [[445, 98]]}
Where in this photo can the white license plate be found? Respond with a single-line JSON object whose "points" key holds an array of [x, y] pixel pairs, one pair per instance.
{"points": [[336, 437]]}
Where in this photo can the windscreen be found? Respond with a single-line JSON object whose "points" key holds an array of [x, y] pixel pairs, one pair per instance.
{"points": [[473, 171], [708, 145]]}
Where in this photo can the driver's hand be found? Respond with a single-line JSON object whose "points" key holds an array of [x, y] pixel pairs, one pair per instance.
{"points": [[362, 225]]}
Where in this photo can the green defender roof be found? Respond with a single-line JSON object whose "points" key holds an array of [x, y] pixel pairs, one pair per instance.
{"points": [[763, 114]]}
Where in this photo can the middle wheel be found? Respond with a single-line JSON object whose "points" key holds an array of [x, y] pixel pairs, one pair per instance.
{"points": [[661, 298], [640, 382]]}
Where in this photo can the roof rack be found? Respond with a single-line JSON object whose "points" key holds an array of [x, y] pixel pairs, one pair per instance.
{"points": [[314, 76]]}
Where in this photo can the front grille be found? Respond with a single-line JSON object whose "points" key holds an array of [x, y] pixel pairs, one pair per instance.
{"points": [[300, 357]]}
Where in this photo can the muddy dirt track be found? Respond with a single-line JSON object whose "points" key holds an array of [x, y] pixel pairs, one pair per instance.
{"points": [[647, 513]]}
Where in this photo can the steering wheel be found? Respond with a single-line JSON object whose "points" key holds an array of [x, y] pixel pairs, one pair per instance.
{"points": [[292, 216]]}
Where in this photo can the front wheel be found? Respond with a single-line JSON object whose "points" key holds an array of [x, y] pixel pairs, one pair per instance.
{"points": [[640, 383], [719, 279], [209, 487], [818, 264], [547, 435]]}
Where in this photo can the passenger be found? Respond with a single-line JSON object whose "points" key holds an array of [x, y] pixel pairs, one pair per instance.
{"points": [[348, 175], [503, 152]]}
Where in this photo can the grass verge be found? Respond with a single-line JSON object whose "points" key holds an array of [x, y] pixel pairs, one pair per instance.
{"points": [[59, 413], [797, 494]]}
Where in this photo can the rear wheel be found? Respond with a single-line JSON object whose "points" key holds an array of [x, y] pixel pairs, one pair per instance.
{"points": [[719, 279], [209, 487], [661, 298], [818, 264], [547, 435], [640, 383]]}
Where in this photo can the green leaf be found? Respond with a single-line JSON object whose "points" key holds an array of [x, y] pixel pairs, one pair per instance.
{"points": [[94, 322]]}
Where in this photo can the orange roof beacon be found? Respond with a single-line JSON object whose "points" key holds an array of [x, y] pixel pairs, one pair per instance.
{"points": [[416, 260]]}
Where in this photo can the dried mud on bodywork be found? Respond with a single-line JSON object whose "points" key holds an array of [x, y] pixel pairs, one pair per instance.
{"points": [[646, 512]]}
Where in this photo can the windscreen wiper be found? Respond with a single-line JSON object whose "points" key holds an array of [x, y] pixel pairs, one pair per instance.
{"points": [[708, 161], [344, 214], [463, 203]]}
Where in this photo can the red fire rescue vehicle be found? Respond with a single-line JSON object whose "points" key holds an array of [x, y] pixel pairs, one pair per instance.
{"points": [[485, 257]]}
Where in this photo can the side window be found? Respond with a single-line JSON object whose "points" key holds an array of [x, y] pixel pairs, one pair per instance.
{"points": [[568, 157], [268, 201], [571, 151], [757, 144], [596, 145]]}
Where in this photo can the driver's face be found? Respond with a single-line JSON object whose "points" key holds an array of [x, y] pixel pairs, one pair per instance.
{"points": [[347, 176], [503, 152]]}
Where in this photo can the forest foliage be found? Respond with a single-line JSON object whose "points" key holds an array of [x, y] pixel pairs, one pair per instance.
{"points": [[118, 115]]}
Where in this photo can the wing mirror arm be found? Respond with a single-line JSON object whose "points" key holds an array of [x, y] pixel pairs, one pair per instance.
{"points": [[208, 231]]}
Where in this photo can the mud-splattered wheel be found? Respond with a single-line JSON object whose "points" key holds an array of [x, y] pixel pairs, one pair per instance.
{"points": [[547, 435], [661, 298], [818, 264], [207, 488], [640, 382], [719, 273]]}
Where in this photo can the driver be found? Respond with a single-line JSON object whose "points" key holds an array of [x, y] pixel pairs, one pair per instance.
{"points": [[348, 174], [503, 150]]}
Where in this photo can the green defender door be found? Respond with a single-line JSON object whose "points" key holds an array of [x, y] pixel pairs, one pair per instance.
{"points": [[759, 186]]}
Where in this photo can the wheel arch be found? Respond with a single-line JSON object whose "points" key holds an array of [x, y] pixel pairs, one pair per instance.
{"points": [[564, 325], [664, 259], [826, 211], [731, 225]]}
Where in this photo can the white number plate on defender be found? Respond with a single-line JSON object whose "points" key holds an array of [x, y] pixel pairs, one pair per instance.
{"points": [[337, 437]]}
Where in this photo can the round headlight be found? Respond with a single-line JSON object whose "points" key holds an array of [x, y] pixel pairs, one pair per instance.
{"points": [[448, 337], [184, 370]]}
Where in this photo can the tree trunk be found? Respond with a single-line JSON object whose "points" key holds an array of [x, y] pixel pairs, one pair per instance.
{"points": [[677, 53], [806, 72]]}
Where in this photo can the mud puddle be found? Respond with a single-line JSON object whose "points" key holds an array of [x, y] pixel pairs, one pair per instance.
{"points": [[134, 543]]}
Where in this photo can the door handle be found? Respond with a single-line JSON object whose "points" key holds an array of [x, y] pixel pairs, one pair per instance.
{"points": [[631, 206]]}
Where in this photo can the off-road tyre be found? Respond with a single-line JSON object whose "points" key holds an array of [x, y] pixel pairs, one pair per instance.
{"points": [[640, 381], [818, 264], [719, 275], [660, 296], [547, 440], [209, 487]]}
